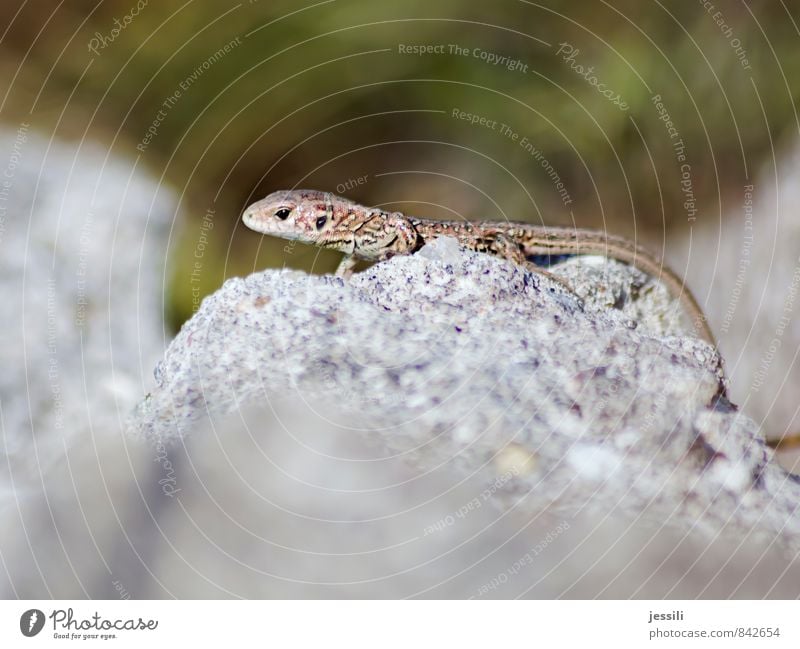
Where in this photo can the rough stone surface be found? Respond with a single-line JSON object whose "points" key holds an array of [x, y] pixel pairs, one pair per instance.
{"points": [[473, 363]]}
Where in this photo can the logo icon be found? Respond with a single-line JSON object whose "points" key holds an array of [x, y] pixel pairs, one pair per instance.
{"points": [[31, 622]]}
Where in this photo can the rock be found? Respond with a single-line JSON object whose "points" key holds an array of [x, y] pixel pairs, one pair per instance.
{"points": [[82, 236], [82, 252], [456, 360]]}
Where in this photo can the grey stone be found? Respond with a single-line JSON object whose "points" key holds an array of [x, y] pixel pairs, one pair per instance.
{"points": [[82, 237], [468, 361]]}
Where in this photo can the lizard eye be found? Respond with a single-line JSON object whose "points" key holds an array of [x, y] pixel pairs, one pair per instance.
{"points": [[283, 213], [321, 222]]}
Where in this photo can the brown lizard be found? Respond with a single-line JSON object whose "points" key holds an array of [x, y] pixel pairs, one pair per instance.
{"points": [[370, 234]]}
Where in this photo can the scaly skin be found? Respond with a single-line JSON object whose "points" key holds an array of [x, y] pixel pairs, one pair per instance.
{"points": [[369, 234]]}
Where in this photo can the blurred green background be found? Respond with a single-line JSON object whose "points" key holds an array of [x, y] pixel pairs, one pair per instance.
{"points": [[276, 95]]}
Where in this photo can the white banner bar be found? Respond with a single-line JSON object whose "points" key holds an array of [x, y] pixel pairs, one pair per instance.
{"points": [[402, 624]]}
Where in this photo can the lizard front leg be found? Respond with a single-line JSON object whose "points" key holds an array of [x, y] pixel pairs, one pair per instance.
{"points": [[383, 236], [378, 237], [346, 266]]}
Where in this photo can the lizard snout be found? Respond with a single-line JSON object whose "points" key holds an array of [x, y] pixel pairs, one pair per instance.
{"points": [[247, 216], [253, 216]]}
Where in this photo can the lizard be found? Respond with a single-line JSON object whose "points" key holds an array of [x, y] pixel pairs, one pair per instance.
{"points": [[370, 234]]}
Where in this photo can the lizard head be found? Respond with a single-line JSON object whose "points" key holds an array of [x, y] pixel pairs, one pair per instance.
{"points": [[328, 221], [304, 215]]}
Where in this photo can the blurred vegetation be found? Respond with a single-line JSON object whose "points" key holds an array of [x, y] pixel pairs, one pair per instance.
{"points": [[316, 94]]}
